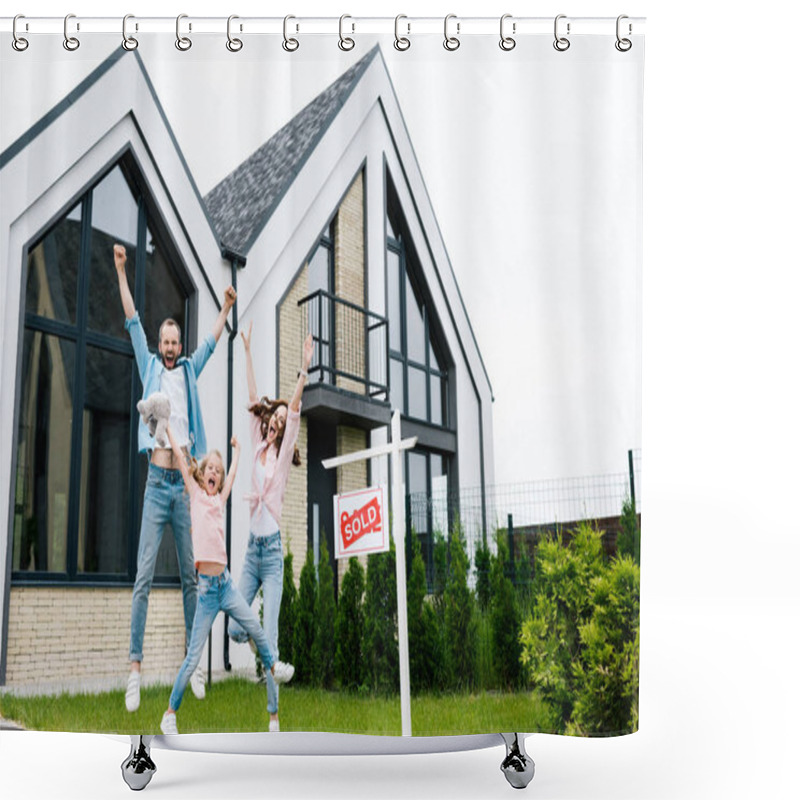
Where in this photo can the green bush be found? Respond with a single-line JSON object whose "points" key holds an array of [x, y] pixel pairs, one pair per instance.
{"points": [[286, 618], [629, 540], [607, 672], [381, 658], [304, 626], [483, 567], [580, 644], [505, 620], [324, 647], [423, 629], [460, 625], [350, 627]]}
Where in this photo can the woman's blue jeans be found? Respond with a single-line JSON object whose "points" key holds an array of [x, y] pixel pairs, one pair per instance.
{"points": [[165, 500], [263, 566], [217, 593]]}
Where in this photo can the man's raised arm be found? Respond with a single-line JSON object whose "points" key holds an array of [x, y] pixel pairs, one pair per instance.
{"points": [[120, 257], [227, 305]]}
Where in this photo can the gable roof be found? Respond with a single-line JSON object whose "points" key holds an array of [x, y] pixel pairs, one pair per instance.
{"points": [[241, 203]]}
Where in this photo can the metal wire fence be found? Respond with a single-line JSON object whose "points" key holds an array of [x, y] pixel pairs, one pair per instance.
{"points": [[525, 510]]}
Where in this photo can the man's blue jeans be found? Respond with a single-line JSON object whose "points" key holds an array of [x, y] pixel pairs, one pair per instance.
{"points": [[165, 500], [263, 566], [217, 593]]}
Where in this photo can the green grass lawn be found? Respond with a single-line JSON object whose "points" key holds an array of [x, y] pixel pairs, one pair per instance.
{"points": [[239, 705]]}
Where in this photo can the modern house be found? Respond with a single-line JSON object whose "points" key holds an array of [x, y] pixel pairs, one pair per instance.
{"points": [[326, 228]]}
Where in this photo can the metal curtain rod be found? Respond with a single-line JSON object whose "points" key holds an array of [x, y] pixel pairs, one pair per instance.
{"points": [[462, 26]]}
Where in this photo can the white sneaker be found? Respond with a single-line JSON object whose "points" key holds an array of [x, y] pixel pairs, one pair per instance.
{"points": [[169, 723], [198, 683], [283, 672], [132, 692], [274, 726]]}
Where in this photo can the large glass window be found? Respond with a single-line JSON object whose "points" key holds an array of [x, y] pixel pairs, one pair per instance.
{"points": [[79, 478], [418, 378], [321, 318]]}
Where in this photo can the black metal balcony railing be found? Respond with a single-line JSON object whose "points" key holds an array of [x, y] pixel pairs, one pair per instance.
{"points": [[351, 351]]}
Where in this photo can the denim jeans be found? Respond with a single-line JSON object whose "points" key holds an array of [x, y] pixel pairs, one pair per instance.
{"points": [[165, 500], [263, 566], [217, 593]]}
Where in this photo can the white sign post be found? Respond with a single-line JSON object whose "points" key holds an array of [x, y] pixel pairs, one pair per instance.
{"points": [[398, 530]]}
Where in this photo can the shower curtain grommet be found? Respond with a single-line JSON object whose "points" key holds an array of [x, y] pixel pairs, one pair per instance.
{"points": [[561, 43], [71, 43], [623, 44], [128, 42], [19, 43], [346, 43], [289, 44], [233, 44], [507, 43], [401, 43], [183, 43], [451, 43]]}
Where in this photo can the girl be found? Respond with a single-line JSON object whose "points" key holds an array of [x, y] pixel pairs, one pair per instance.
{"points": [[208, 492], [274, 427]]}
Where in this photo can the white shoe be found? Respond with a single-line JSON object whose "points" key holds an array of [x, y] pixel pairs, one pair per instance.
{"points": [[132, 692], [169, 723], [198, 683], [283, 672], [274, 726]]}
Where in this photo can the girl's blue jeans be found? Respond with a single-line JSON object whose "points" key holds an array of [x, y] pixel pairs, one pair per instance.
{"points": [[217, 593]]}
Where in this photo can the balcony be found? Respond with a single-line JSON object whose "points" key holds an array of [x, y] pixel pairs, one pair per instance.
{"points": [[348, 378]]}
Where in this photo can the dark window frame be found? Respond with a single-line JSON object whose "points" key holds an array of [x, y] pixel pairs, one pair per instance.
{"points": [[79, 332]]}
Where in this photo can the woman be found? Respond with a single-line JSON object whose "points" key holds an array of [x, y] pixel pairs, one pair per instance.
{"points": [[274, 427]]}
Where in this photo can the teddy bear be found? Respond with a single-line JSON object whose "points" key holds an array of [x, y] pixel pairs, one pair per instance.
{"points": [[154, 411]]}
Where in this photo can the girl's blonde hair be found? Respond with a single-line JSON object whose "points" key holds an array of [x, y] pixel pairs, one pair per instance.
{"points": [[196, 469], [264, 409]]}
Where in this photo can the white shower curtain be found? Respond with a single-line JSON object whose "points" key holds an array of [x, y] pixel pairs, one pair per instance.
{"points": [[460, 232]]}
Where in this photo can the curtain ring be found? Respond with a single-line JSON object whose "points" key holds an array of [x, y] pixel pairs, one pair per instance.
{"points": [[451, 42], [623, 45], [19, 43], [233, 44], [561, 43], [401, 42], [345, 42], [183, 43], [289, 44], [71, 43], [507, 42], [128, 42]]}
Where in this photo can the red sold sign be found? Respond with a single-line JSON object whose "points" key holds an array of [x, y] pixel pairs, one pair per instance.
{"points": [[362, 521], [360, 518]]}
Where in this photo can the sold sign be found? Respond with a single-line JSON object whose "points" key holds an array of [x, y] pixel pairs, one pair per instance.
{"points": [[360, 522]]}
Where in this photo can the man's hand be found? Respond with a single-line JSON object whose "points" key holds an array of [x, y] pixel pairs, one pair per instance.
{"points": [[120, 257], [230, 296]]}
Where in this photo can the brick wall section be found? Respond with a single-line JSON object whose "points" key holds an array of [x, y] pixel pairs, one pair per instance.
{"points": [[63, 634], [294, 523], [349, 284]]}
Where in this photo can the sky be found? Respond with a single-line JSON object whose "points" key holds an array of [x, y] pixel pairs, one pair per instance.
{"points": [[532, 160]]}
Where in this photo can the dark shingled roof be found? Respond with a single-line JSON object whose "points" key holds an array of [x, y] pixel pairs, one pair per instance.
{"points": [[241, 203]]}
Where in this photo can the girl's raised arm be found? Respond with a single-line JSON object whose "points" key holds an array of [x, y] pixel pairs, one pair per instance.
{"points": [[182, 465], [226, 489], [251, 375]]}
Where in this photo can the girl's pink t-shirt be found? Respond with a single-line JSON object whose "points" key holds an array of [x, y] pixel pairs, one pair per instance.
{"points": [[208, 526]]}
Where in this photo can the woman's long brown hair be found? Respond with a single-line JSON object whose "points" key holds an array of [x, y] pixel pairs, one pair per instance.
{"points": [[264, 409]]}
